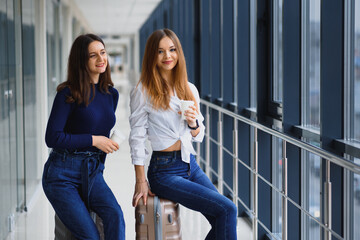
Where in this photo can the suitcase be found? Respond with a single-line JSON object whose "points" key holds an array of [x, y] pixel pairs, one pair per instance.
{"points": [[158, 220], [62, 233]]}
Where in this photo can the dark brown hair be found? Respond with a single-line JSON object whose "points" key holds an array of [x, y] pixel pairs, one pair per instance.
{"points": [[156, 87], [78, 78]]}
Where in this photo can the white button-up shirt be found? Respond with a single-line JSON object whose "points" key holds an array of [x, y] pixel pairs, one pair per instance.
{"points": [[163, 128]]}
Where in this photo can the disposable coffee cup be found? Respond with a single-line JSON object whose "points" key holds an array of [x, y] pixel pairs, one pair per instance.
{"points": [[117, 137], [185, 105]]}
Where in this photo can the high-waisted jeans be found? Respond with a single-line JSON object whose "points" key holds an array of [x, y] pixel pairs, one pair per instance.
{"points": [[73, 182], [187, 184]]}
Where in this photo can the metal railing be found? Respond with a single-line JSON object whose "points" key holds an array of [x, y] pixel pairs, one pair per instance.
{"points": [[286, 139]]}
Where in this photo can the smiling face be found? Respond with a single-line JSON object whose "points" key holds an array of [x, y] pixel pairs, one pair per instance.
{"points": [[167, 55], [97, 62]]}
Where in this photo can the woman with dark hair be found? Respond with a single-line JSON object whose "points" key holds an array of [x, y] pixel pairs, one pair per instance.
{"points": [[78, 129], [173, 172]]}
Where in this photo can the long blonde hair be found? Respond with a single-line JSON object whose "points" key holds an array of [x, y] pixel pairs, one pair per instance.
{"points": [[157, 88]]}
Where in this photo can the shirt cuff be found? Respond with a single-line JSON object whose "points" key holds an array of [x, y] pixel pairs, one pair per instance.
{"points": [[140, 162]]}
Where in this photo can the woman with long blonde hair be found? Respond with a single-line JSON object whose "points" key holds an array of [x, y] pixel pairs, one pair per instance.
{"points": [[173, 172]]}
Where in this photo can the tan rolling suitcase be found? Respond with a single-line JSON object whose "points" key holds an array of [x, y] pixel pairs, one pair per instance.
{"points": [[158, 220], [62, 233]]}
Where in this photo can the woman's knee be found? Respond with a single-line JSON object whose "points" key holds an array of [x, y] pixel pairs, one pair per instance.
{"points": [[114, 216], [230, 208], [117, 212]]}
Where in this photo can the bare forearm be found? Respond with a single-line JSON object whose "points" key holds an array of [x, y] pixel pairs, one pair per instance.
{"points": [[139, 173]]}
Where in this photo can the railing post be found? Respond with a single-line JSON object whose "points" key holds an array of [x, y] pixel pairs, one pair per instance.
{"points": [[220, 155], [255, 187], [285, 192], [198, 152], [207, 141], [235, 163], [327, 196]]}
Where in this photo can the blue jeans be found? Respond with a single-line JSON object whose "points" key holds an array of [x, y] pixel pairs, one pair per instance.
{"points": [[187, 184], [72, 194]]}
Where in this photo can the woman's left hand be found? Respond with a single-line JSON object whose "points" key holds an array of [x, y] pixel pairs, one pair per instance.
{"points": [[191, 116]]}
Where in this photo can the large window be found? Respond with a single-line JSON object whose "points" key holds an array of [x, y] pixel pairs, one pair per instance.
{"points": [[356, 115], [277, 90], [356, 201], [311, 196], [356, 88], [277, 165], [31, 155], [253, 76], [53, 41], [352, 109], [310, 59], [311, 63]]}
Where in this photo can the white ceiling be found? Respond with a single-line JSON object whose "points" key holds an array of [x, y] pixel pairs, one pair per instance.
{"points": [[116, 17]]}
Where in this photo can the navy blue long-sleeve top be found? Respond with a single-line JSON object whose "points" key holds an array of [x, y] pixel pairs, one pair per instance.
{"points": [[71, 125]]}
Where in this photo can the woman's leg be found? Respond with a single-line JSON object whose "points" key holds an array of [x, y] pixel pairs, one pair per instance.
{"points": [[104, 203], [197, 193], [65, 199]]}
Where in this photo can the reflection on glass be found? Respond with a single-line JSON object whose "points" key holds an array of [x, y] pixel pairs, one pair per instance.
{"points": [[314, 64], [357, 71], [356, 202], [33, 162], [277, 181], [50, 49], [313, 189], [7, 112], [253, 77], [278, 51]]}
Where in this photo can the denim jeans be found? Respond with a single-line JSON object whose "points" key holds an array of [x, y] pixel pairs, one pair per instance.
{"points": [[65, 185], [187, 184]]}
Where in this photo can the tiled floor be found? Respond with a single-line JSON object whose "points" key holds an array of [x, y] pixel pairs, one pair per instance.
{"points": [[38, 222]]}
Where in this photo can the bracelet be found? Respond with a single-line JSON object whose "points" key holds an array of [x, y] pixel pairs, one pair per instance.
{"points": [[194, 128]]}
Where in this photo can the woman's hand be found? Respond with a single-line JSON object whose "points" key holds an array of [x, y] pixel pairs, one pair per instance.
{"points": [[191, 116], [104, 144], [142, 190]]}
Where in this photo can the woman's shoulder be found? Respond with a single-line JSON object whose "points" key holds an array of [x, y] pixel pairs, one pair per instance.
{"points": [[138, 89], [64, 90], [193, 88], [113, 90]]}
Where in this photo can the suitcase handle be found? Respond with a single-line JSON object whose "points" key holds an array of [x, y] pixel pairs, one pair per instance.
{"points": [[170, 218], [142, 218]]}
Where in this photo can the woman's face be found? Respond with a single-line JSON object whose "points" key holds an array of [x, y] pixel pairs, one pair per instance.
{"points": [[167, 55], [97, 58]]}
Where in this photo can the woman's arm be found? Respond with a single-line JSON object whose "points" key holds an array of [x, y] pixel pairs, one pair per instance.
{"points": [[138, 134], [138, 127], [198, 134], [141, 186], [55, 136]]}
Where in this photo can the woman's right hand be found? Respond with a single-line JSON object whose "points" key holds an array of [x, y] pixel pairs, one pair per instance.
{"points": [[142, 190], [104, 144]]}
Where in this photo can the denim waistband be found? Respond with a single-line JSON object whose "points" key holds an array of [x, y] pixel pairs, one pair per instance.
{"points": [[78, 152], [168, 154]]}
